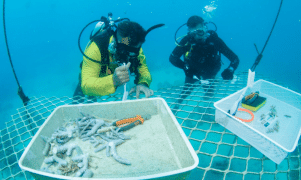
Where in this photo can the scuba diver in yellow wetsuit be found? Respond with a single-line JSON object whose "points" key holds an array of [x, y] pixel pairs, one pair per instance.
{"points": [[109, 57]]}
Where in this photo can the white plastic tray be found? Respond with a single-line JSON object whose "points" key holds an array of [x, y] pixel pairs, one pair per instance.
{"points": [[274, 145], [169, 156]]}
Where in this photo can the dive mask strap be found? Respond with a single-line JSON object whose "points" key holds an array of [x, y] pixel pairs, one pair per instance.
{"points": [[122, 19]]}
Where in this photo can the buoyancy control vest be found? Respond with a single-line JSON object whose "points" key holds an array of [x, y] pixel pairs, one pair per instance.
{"points": [[204, 54]]}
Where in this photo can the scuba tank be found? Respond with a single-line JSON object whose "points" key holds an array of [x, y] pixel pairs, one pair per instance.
{"points": [[105, 27]]}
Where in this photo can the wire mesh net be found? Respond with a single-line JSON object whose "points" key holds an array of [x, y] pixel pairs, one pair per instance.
{"points": [[222, 154]]}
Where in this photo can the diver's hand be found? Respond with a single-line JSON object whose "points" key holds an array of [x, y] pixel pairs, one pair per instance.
{"points": [[142, 88], [186, 69], [121, 75], [227, 74]]}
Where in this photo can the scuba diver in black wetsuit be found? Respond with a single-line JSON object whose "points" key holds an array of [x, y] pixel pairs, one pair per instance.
{"points": [[202, 51]]}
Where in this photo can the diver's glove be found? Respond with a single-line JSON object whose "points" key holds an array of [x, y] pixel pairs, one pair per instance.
{"points": [[142, 88], [227, 74]]}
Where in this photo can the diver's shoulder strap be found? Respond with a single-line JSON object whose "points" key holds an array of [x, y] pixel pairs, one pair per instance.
{"points": [[102, 43]]}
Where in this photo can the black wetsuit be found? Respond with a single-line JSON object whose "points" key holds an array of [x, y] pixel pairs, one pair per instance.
{"points": [[203, 59]]}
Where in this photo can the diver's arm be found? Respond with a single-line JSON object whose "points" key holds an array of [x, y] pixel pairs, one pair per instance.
{"points": [[176, 60], [175, 57], [92, 84], [143, 76], [226, 51]]}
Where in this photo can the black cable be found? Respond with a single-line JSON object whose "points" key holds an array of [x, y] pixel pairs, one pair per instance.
{"points": [[21, 94], [11, 63], [260, 55], [24, 98], [272, 27]]}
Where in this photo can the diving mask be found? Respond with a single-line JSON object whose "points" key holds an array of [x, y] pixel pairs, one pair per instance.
{"points": [[199, 35], [127, 50], [199, 32], [125, 54]]}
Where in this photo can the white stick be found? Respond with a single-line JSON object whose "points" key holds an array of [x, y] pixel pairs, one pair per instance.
{"points": [[234, 108], [125, 92]]}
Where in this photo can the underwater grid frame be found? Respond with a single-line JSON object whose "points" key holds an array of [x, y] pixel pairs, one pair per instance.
{"points": [[222, 155]]}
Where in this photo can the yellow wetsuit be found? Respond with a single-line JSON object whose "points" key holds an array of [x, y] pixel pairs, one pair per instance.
{"points": [[97, 83]]}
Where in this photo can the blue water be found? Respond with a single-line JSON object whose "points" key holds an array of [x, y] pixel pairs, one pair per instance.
{"points": [[43, 36]]}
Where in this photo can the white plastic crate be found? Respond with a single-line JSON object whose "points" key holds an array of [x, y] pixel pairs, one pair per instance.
{"points": [[274, 145], [169, 156]]}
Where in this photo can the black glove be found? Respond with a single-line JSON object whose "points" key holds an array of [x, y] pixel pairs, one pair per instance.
{"points": [[227, 74]]}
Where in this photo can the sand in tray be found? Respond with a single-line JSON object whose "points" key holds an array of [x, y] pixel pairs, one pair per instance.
{"points": [[149, 150]]}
